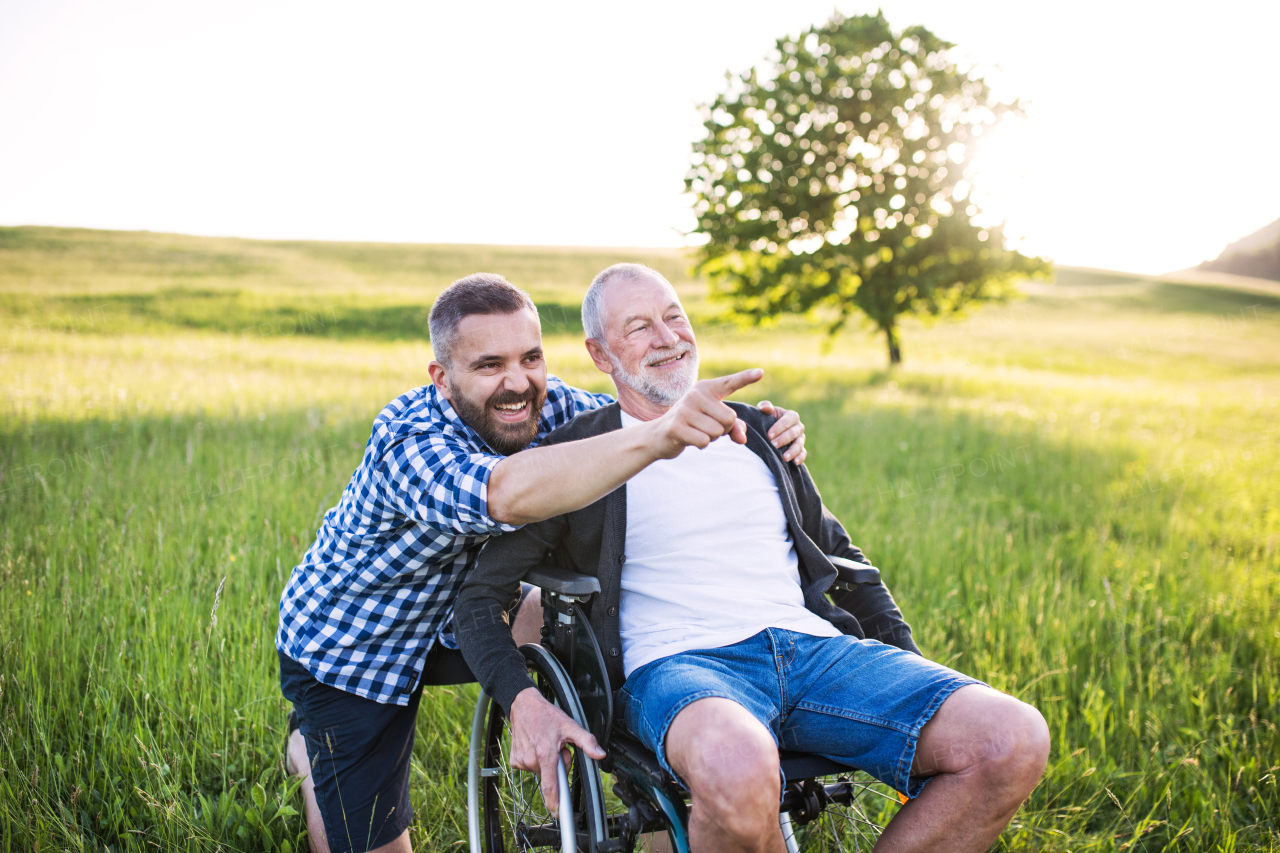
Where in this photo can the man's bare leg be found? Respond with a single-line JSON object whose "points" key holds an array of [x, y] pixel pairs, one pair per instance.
{"points": [[986, 752], [300, 765], [526, 629], [730, 763], [527, 626]]}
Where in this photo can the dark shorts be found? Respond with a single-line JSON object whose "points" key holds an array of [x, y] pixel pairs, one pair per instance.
{"points": [[858, 702], [360, 750]]}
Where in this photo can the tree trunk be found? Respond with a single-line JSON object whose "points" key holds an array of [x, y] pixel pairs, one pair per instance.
{"points": [[895, 346]]}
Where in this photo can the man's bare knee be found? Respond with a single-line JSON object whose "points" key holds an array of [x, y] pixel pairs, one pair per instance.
{"points": [[737, 772], [1015, 747], [527, 626], [730, 763], [996, 741], [1028, 745], [978, 729]]}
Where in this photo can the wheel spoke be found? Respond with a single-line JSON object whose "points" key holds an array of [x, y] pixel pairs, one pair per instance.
{"points": [[868, 789], [847, 825], [516, 818], [526, 817], [524, 822], [861, 828]]}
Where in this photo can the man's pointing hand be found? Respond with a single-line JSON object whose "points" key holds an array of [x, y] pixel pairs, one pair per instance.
{"points": [[700, 417]]}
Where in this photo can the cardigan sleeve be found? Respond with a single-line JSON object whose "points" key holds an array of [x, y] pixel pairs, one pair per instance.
{"points": [[871, 604], [491, 588]]}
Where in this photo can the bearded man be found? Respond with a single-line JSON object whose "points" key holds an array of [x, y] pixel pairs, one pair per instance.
{"points": [[365, 617]]}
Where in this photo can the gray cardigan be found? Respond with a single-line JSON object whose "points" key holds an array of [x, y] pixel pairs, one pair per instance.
{"points": [[592, 541]]}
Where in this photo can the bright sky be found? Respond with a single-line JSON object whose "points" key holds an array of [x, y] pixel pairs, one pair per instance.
{"points": [[1150, 144]]}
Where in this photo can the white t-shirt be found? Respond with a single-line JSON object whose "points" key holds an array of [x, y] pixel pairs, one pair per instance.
{"points": [[710, 560]]}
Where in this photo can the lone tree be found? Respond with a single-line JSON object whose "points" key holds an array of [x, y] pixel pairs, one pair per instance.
{"points": [[831, 177]]}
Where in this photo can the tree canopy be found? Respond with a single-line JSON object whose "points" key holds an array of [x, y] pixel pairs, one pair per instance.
{"points": [[831, 177]]}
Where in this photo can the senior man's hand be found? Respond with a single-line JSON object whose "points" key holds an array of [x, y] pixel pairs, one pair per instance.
{"points": [[539, 733], [787, 429]]}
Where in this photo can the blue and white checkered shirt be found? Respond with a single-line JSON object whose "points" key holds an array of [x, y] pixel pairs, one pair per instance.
{"points": [[377, 588]]}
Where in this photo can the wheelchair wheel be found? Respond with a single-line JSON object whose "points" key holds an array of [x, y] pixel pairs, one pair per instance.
{"points": [[840, 814], [513, 816]]}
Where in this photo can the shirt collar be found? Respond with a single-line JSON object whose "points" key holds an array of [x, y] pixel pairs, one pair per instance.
{"points": [[443, 410]]}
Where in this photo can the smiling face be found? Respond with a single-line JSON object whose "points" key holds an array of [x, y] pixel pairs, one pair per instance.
{"points": [[649, 347], [497, 378]]}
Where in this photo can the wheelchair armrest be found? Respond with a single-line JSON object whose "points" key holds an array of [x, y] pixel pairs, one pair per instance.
{"points": [[562, 581], [850, 573]]}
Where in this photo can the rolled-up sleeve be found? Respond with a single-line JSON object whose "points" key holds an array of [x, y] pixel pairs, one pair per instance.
{"points": [[565, 402], [434, 478]]}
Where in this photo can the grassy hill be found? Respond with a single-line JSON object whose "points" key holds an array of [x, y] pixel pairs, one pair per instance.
{"points": [[103, 281], [1257, 254], [1072, 496]]}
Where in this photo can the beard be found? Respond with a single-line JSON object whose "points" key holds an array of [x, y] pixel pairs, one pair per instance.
{"points": [[502, 437], [661, 389]]}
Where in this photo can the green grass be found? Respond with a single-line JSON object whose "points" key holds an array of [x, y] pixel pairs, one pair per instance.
{"points": [[1073, 498]]}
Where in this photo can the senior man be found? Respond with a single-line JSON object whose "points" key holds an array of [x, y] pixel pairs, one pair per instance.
{"points": [[364, 619], [712, 609]]}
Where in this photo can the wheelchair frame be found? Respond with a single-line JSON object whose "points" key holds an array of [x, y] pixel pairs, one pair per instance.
{"points": [[570, 670]]}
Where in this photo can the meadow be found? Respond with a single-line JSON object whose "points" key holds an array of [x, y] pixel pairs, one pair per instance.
{"points": [[1074, 497]]}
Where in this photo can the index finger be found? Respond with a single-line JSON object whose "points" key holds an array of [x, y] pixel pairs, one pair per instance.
{"points": [[726, 385]]}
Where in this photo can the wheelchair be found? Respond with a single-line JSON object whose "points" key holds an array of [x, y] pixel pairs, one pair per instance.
{"points": [[826, 806]]}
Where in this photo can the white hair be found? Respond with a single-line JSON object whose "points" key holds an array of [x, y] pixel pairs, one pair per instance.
{"points": [[593, 302]]}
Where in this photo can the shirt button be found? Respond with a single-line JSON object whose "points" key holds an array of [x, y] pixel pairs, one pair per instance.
{"points": [[613, 652], [613, 611]]}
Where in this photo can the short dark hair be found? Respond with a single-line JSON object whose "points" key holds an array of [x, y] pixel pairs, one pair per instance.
{"points": [[478, 293]]}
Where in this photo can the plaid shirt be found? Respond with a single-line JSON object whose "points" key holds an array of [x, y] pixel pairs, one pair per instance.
{"points": [[376, 589]]}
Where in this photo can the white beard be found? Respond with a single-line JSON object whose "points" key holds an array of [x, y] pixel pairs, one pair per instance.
{"points": [[664, 389]]}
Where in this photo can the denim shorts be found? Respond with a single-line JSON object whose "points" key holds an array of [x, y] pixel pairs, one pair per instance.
{"points": [[858, 702]]}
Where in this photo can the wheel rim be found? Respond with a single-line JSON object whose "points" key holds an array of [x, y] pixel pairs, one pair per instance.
{"points": [[516, 818]]}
